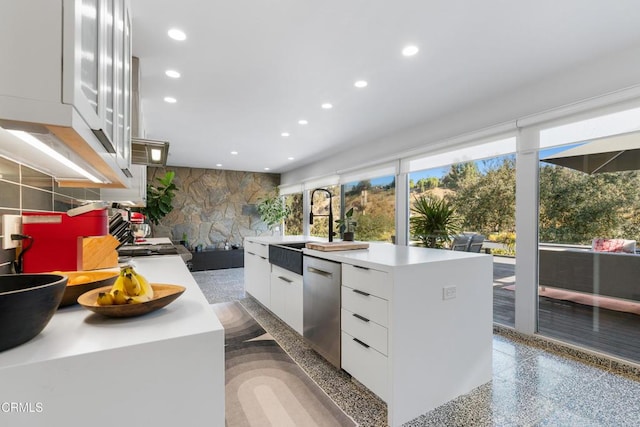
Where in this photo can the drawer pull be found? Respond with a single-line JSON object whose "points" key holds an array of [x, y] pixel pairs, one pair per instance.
{"points": [[357, 316], [251, 253], [361, 343], [263, 257], [361, 293], [361, 268], [284, 279]]}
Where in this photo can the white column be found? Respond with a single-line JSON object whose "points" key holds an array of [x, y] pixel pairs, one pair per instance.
{"points": [[527, 168], [402, 204], [306, 208]]}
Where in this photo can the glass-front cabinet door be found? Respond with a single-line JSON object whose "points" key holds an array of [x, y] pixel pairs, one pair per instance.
{"points": [[124, 150], [81, 59], [89, 45], [109, 75], [97, 70]]}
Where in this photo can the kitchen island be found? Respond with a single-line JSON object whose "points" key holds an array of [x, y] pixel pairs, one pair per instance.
{"points": [[162, 368], [416, 323]]}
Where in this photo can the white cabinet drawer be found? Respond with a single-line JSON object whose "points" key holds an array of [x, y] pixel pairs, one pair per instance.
{"points": [[374, 282], [369, 306], [366, 365], [260, 249], [365, 330]]}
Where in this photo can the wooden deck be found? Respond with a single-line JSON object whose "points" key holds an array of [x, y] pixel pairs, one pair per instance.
{"points": [[608, 331]]}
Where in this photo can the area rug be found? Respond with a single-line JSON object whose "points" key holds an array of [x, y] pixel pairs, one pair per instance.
{"points": [[581, 298], [264, 386]]}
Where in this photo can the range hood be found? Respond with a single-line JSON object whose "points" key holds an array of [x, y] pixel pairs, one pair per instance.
{"points": [[148, 152]]}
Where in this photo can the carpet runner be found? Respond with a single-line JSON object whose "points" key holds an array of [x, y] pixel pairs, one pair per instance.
{"points": [[264, 386]]}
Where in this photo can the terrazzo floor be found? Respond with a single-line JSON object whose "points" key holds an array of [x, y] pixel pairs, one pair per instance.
{"points": [[535, 383]]}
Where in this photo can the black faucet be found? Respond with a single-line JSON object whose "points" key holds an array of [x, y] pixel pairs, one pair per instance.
{"points": [[330, 212]]}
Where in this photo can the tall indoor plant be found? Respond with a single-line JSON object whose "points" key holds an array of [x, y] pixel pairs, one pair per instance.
{"points": [[160, 198], [434, 222], [273, 211]]}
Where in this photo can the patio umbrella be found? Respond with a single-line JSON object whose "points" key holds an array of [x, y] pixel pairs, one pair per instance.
{"points": [[611, 154]]}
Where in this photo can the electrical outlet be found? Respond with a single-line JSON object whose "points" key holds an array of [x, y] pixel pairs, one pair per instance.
{"points": [[11, 224], [449, 292]]}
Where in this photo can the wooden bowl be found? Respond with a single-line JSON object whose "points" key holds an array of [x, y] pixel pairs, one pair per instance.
{"points": [[162, 295], [76, 286]]}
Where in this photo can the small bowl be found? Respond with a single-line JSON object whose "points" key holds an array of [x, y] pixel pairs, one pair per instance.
{"points": [[162, 295], [27, 303], [76, 288]]}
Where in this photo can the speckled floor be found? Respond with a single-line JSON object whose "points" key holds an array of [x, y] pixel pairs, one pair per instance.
{"points": [[535, 382]]}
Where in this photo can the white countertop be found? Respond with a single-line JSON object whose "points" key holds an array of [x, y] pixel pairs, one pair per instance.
{"points": [[379, 254], [75, 331]]}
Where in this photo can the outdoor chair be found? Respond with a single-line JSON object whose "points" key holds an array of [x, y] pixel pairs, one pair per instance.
{"points": [[460, 243], [475, 245]]}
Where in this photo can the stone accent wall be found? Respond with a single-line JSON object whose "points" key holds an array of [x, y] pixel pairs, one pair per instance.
{"points": [[213, 206]]}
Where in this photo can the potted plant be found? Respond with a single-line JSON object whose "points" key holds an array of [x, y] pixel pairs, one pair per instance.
{"points": [[160, 198], [347, 226], [435, 221], [273, 211]]}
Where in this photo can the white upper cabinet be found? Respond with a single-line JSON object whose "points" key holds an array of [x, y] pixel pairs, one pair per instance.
{"points": [[83, 101]]}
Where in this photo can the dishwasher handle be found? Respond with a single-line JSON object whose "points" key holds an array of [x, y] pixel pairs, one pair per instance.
{"points": [[320, 272]]}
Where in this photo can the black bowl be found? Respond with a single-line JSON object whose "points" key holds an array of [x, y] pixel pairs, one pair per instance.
{"points": [[27, 303]]}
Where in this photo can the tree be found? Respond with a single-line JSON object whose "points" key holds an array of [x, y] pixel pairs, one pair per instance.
{"points": [[459, 173], [293, 222], [487, 202], [576, 207]]}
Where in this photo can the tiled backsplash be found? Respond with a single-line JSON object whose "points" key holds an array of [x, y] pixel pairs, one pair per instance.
{"points": [[23, 189]]}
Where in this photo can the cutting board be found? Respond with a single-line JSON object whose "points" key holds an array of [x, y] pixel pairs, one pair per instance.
{"points": [[337, 246], [97, 252]]}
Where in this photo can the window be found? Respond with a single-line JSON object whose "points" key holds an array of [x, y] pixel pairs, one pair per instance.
{"points": [[320, 210], [293, 223], [374, 205]]}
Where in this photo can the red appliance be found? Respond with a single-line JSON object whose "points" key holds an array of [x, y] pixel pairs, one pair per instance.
{"points": [[56, 238]]}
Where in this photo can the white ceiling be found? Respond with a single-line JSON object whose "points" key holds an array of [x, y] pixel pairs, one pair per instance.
{"points": [[252, 69]]}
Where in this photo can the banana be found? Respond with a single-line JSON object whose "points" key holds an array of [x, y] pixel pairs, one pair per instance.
{"points": [[105, 298], [129, 288], [119, 297], [145, 285], [131, 285]]}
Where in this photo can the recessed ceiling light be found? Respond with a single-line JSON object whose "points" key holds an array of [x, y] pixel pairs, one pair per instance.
{"points": [[234, 153], [170, 99], [285, 134], [327, 106], [290, 158], [360, 84], [218, 164], [410, 50], [267, 169], [173, 74], [303, 122], [176, 34]]}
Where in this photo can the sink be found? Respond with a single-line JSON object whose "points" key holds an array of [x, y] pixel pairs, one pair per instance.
{"points": [[287, 256], [294, 245]]}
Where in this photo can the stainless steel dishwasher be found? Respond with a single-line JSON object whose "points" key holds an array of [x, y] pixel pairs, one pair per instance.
{"points": [[321, 296]]}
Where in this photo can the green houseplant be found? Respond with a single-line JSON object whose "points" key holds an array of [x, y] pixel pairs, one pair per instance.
{"points": [[273, 211], [434, 222], [160, 198], [347, 226]]}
